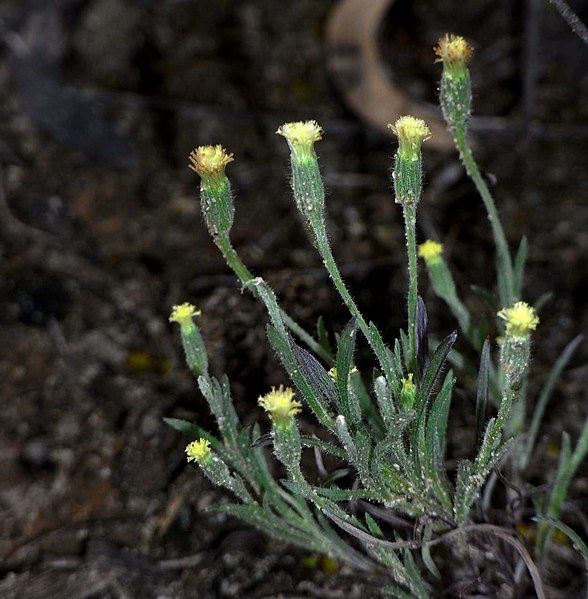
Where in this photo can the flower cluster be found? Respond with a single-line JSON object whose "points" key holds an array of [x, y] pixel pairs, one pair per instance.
{"points": [[280, 404], [520, 320], [209, 160]]}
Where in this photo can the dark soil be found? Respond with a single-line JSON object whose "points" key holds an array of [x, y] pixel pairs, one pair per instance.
{"points": [[101, 235]]}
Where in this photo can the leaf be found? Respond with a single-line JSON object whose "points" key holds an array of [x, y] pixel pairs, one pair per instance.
{"points": [[578, 542], [543, 299], [426, 552], [429, 379], [308, 441], [218, 396], [434, 446], [482, 390], [367, 538], [345, 494], [255, 516], [263, 441], [323, 336], [405, 346], [519, 267], [382, 353], [373, 526], [345, 350], [315, 376], [282, 348], [268, 297], [434, 369], [422, 337], [384, 397], [544, 398]]}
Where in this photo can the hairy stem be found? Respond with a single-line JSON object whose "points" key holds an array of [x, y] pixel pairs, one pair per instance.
{"points": [[410, 228], [245, 275], [504, 263]]}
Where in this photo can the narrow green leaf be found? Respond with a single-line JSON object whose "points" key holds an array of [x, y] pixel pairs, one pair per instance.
{"points": [[426, 552], [434, 444], [308, 441], [578, 542], [345, 352], [316, 377], [544, 398], [482, 390], [542, 300], [519, 267], [373, 527], [282, 348], [323, 335]]}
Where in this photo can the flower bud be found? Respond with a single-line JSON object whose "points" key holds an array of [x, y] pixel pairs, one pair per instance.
{"points": [[194, 349], [307, 183], [442, 281], [411, 133], [199, 451], [215, 468], [455, 91], [520, 320], [408, 392], [431, 252], [455, 53], [515, 347], [282, 408], [280, 405], [215, 189]]}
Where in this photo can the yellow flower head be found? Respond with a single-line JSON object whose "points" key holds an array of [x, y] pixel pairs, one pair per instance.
{"points": [[411, 133], [209, 160], [454, 52], [280, 405], [430, 251], [521, 319], [301, 134], [198, 451], [183, 313]]}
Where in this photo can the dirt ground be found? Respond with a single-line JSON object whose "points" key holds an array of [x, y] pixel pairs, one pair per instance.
{"points": [[101, 235]]}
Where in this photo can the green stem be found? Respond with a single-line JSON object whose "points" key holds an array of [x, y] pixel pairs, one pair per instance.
{"points": [[245, 275], [504, 264], [322, 244], [410, 228], [324, 249]]}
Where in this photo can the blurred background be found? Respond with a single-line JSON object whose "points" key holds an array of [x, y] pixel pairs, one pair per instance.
{"points": [[100, 103]]}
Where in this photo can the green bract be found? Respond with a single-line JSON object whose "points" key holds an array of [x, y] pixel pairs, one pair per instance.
{"points": [[384, 426]]}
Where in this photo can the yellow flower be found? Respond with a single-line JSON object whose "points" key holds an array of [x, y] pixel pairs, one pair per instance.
{"points": [[521, 319], [411, 133], [209, 160], [280, 405], [198, 451], [453, 51], [302, 134], [430, 251], [183, 314]]}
